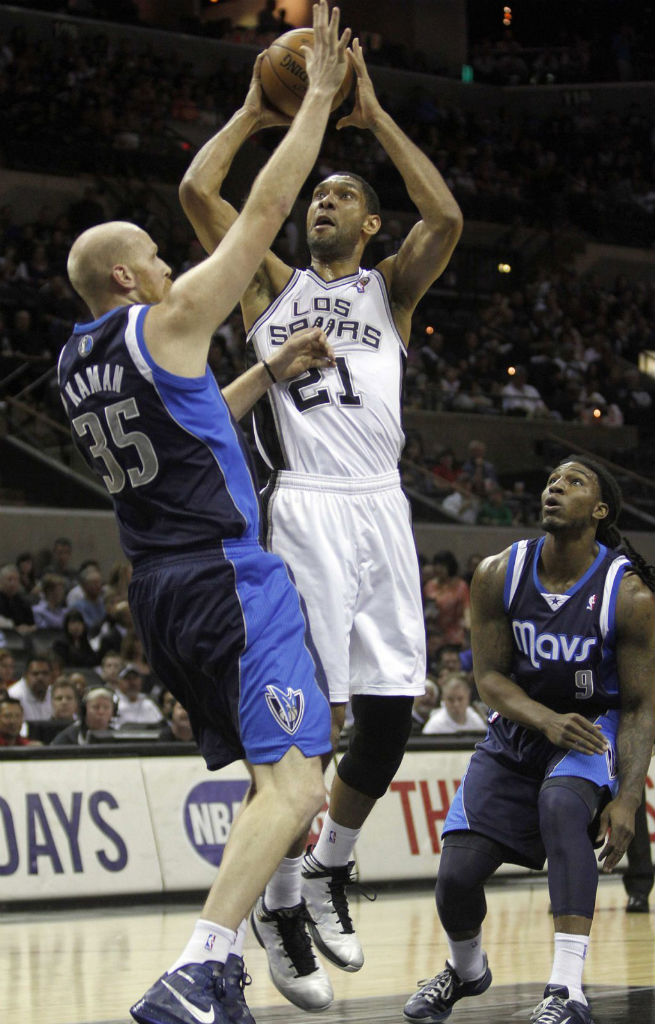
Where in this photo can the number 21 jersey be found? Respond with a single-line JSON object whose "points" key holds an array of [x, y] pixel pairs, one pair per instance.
{"points": [[343, 421]]}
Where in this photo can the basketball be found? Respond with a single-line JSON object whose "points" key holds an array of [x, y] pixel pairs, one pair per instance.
{"points": [[283, 75]]}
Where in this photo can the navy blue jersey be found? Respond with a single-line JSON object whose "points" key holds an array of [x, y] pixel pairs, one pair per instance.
{"points": [[564, 644], [167, 448]]}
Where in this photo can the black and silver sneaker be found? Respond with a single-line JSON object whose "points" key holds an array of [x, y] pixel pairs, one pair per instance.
{"points": [[291, 962], [324, 892]]}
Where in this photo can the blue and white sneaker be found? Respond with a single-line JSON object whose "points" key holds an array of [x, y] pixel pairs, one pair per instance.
{"points": [[557, 1008], [194, 994], [435, 999]]}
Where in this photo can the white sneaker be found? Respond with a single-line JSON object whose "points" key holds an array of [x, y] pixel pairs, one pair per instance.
{"points": [[291, 962], [324, 892]]}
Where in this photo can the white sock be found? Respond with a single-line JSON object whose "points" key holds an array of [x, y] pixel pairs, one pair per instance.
{"points": [[568, 963], [335, 844], [467, 957], [208, 941], [283, 888], [239, 942]]}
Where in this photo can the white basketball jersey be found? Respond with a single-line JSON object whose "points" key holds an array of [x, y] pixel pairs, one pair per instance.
{"points": [[342, 421]]}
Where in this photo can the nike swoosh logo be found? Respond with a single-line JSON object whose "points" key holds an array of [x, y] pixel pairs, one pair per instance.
{"points": [[202, 1016]]}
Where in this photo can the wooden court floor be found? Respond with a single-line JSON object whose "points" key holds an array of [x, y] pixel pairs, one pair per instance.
{"points": [[87, 966]]}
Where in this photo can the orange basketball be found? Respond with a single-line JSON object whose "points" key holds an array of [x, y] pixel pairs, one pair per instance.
{"points": [[284, 76]]}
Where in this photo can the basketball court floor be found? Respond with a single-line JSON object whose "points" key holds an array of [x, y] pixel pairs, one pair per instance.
{"points": [[87, 966]]}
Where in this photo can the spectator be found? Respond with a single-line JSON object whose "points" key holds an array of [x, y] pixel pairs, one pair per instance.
{"points": [[76, 592], [60, 561], [11, 724], [115, 626], [7, 670], [91, 604], [74, 648], [15, 609], [462, 502], [522, 505], [495, 511], [424, 705], [33, 690], [166, 702], [27, 574], [50, 611], [477, 465], [450, 596], [134, 708], [65, 704], [64, 698], [455, 713], [445, 471], [96, 712], [176, 729], [109, 669], [520, 398], [132, 652]]}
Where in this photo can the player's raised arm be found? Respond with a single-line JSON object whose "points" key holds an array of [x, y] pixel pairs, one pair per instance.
{"points": [[178, 329], [209, 213], [427, 249], [491, 642]]}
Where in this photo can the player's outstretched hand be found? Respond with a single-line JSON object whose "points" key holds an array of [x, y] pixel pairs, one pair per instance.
{"points": [[367, 110], [575, 732], [300, 352], [257, 105], [617, 827], [326, 60]]}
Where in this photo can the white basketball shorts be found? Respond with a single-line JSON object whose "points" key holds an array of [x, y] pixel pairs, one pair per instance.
{"points": [[350, 548]]}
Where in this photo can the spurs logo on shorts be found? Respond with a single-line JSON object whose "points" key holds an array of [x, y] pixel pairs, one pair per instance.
{"points": [[287, 708]]}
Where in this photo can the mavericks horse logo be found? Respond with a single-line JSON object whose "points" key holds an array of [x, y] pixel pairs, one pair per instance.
{"points": [[287, 708]]}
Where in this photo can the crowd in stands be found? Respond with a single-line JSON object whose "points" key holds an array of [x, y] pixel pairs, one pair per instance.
{"points": [[119, 109], [80, 675], [589, 42], [81, 668]]}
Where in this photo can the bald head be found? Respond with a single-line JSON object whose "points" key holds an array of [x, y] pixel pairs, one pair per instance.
{"points": [[95, 255]]}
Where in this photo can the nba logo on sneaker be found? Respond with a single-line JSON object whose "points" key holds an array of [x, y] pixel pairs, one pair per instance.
{"points": [[211, 939], [287, 708], [591, 602]]}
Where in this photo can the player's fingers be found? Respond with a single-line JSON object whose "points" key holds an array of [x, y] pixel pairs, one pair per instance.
{"points": [[603, 825], [345, 39], [333, 25], [343, 122]]}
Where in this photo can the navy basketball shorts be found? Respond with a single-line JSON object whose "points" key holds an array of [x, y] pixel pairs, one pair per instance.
{"points": [[224, 631], [498, 796]]}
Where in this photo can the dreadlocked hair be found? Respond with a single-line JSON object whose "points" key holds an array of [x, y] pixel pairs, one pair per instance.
{"points": [[608, 532]]}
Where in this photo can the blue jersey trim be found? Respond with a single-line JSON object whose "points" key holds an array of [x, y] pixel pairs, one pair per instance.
{"points": [[602, 551], [84, 328]]}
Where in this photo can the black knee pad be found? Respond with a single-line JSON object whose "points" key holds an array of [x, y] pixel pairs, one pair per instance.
{"points": [[377, 743], [468, 860]]}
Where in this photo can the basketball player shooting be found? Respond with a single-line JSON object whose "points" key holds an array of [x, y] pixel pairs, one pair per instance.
{"points": [[335, 510], [562, 633]]}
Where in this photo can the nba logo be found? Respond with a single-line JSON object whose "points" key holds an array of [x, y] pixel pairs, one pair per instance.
{"points": [[361, 284], [332, 837], [591, 602], [211, 939]]}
